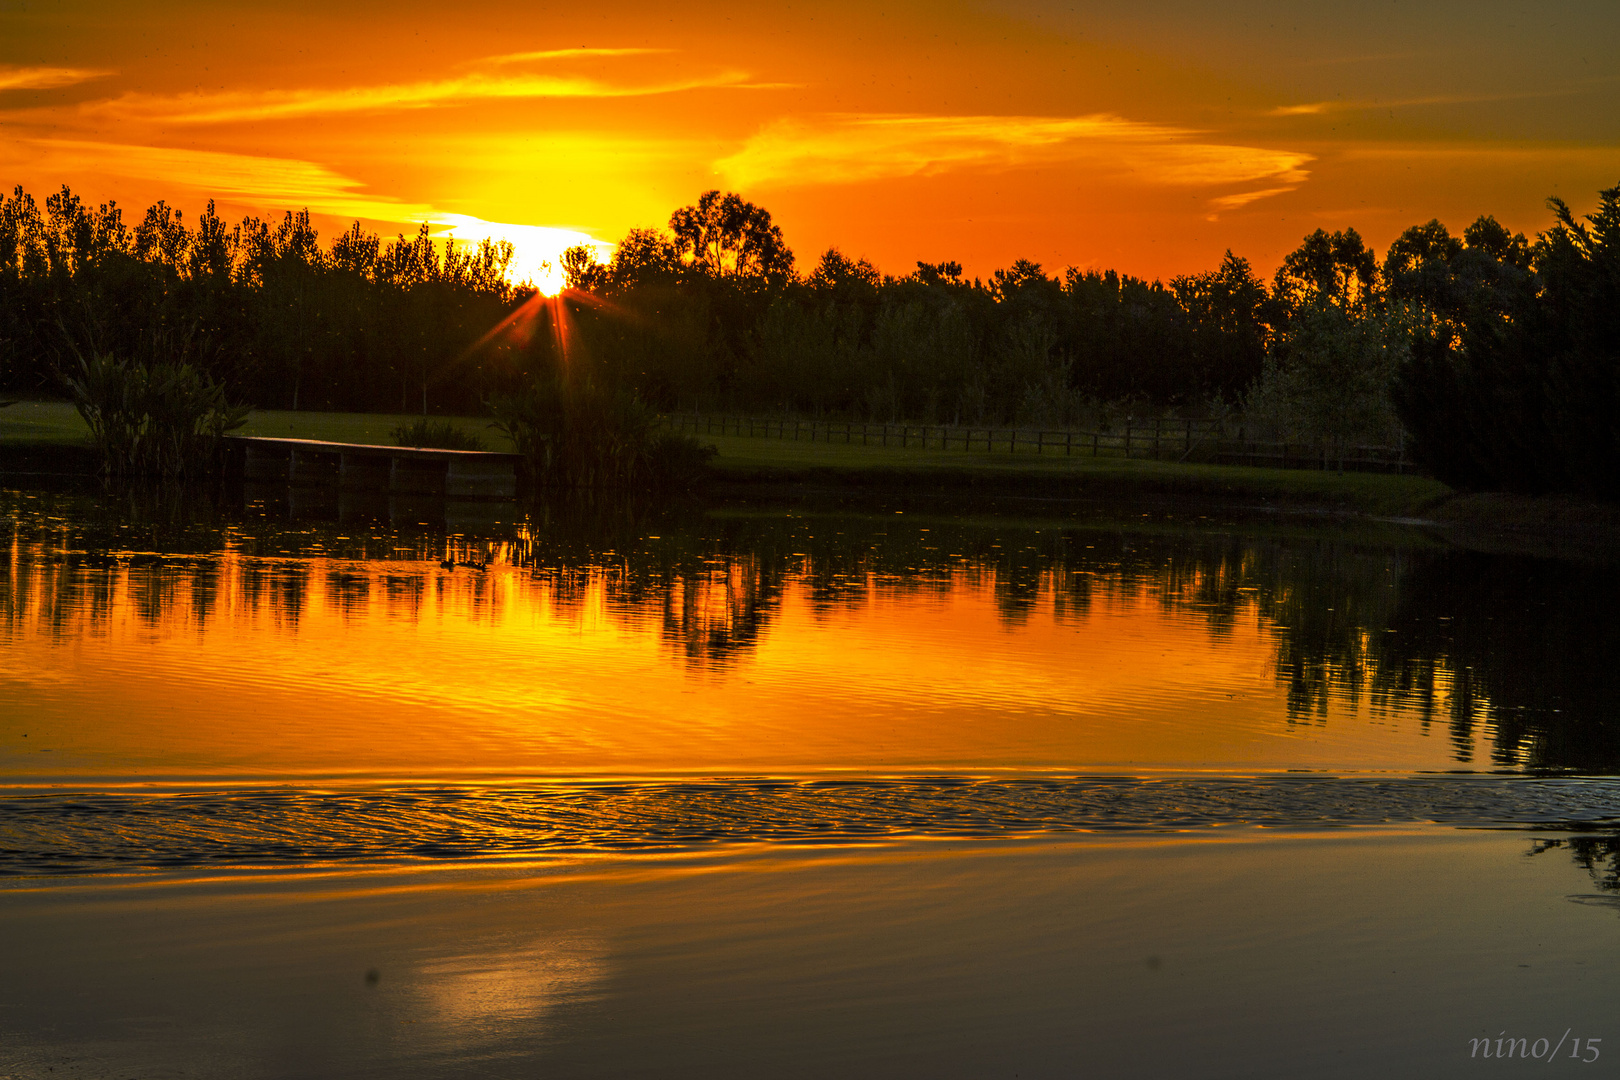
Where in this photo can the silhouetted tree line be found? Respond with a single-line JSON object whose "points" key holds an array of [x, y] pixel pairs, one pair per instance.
{"points": [[262, 308], [712, 312], [1495, 357], [1514, 378]]}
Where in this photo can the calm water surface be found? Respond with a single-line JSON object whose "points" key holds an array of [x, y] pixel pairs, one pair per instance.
{"points": [[889, 697], [248, 646]]}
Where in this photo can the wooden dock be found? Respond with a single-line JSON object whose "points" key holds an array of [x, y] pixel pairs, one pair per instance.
{"points": [[398, 470]]}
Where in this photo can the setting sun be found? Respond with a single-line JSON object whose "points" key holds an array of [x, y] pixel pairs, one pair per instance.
{"points": [[537, 250]]}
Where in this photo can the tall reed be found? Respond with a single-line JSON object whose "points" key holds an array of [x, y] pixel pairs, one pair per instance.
{"points": [[158, 419]]}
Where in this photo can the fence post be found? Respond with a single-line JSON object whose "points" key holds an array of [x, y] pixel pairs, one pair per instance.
{"points": [[1127, 440]]}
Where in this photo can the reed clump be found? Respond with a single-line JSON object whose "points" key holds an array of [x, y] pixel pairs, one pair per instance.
{"points": [[155, 419]]}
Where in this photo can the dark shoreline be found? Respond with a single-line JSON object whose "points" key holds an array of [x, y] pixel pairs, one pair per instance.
{"points": [[1559, 526]]}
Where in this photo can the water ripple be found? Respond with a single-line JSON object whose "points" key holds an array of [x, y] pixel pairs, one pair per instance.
{"points": [[104, 832]]}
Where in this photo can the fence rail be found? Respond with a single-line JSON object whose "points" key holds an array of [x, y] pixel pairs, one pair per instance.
{"points": [[1168, 440]]}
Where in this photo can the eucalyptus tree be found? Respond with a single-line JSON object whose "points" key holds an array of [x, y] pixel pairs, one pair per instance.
{"points": [[726, 236], [1227, 313], [1336, 267]]}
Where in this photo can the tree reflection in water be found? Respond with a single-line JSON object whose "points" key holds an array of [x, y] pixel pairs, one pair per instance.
{"points": [[1509, 651]]}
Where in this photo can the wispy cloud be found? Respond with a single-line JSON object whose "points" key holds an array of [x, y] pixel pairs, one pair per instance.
{"points": [[1585, 86], [274, 183], [46, 78], [237, 106], [570, 54], [1244, 198], [849, 149]]}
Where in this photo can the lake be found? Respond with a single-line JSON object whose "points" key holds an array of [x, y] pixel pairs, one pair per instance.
{"points": [[305, 785]]}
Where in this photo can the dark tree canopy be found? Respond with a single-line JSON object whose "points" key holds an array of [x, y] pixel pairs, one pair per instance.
{"points": [[724, 235], [1522, 388], [1507, 369], [1338, 267]]}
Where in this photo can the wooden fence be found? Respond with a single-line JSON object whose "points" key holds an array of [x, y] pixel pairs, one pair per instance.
{"points": [[1159, 439]]}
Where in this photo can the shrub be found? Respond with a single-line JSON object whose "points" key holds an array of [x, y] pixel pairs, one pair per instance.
{"points": [[435, 435], [590, 436], [677, 462]]}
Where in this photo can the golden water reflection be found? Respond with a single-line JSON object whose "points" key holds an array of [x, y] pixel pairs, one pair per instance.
{"points": [[763, 641]]}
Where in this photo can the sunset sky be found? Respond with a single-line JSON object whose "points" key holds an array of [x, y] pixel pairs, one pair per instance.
{"points": [[1147, 137]]}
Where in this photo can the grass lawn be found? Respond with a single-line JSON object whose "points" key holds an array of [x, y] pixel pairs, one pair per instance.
{"points": [[58, 422], [767, 460], [42, 423], [777, 461]]}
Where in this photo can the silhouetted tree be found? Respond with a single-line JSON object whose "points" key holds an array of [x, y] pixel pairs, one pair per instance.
{"points": [[724, 235], [1226, 321], [1336, 267]]}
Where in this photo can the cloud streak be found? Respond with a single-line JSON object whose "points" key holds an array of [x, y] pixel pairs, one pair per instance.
{"points": [[852, 149], [239, 106], [1315, 108], [46, 78], [291, 184], [570, 54], [1244, 198], [277, 183]]}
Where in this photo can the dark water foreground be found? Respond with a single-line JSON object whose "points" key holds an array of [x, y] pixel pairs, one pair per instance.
{"points": [[874, 790]]}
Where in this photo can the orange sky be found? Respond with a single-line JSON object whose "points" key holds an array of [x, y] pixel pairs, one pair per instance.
{"points": [[1147, 137]]}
